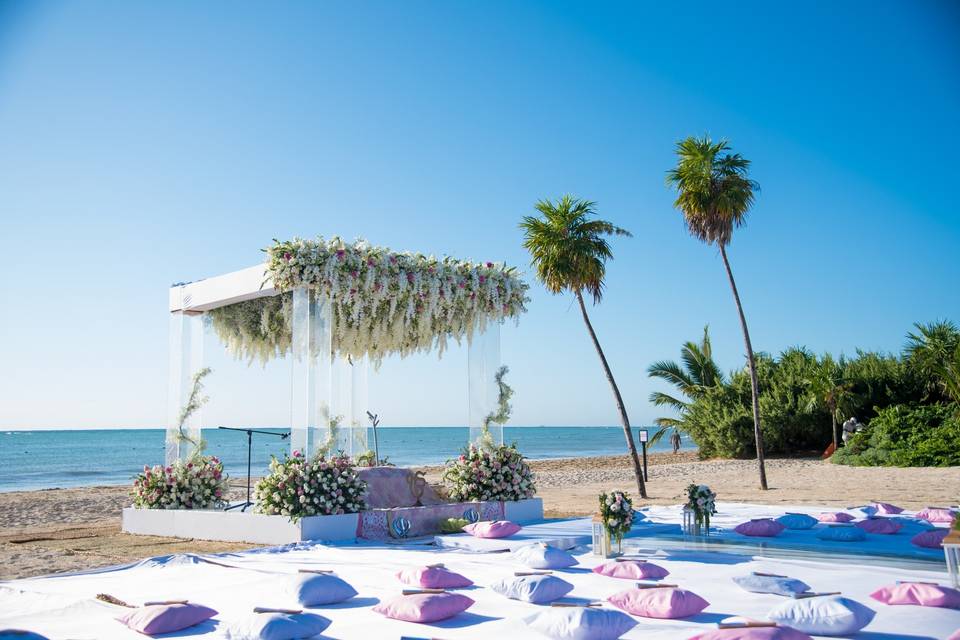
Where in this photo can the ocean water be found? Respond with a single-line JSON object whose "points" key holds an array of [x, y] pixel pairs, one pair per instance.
{"points": [[75, 458]]}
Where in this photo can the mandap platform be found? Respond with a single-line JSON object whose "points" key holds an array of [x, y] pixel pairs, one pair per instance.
{"points": [[374, 524]]}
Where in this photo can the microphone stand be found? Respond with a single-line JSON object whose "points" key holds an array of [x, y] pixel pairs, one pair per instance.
{"points": [[283, 436]]}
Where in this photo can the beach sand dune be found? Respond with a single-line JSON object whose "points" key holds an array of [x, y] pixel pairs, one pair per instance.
{"points": [[58, 530]]}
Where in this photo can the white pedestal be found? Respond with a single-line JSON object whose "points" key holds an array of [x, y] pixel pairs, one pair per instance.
{"points": [[235, 526], [524, 511]]}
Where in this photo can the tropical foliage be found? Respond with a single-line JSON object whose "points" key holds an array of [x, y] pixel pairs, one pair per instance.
{"points": [[907, 436], [481, 473], [903, 401], [197, 483], [569, 250], [714, 194], [319, 486], [695, 373]]}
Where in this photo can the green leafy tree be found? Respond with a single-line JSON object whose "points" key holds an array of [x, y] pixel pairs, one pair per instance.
{"points": [[569, 251], [692, 376], [832, 391], [714, 194], [934, 353]]}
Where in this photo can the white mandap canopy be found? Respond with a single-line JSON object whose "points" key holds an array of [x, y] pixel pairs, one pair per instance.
{"points": [[334, 307]]}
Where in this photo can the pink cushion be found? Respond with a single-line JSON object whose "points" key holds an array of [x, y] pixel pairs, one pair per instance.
{"points": [[934, 514], [492, 529], [887, 509], [631, 570], [925, 595], [424, 607], [954, 636], [879, 525], [840, 516], [755, 633], [433, 578], [166, 618], [760, 527], [932, 539], [666, 603]]}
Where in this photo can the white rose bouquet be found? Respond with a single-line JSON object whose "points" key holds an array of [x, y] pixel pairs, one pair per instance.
{"points": [[616, 509], [498, 474], [196, 483], [702, 501], [297, 487]]}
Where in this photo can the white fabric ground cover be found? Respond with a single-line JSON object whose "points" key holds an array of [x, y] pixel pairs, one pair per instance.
{"points": [[64, 607]]}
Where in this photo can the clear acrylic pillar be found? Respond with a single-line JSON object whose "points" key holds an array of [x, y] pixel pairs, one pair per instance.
{"points": [[349, 405], [186, 359], [358, 408], [483, 360], [310, 379]]}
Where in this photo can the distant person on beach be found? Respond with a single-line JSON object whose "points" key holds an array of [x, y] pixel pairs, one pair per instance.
{"points": [[675, 440], [850, 427]]}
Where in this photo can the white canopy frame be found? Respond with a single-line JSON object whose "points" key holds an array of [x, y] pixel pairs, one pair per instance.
{"points": [[328, 393]]}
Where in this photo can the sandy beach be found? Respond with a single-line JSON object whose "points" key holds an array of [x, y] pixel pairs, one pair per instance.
{"points": [[58, 530]]}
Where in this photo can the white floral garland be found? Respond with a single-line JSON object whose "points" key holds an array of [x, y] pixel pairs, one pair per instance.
{"points": [[383, 302]]}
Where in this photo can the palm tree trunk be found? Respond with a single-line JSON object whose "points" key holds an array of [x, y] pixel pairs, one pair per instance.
{"points": [[624, 420], [751, 362], [832, 408]]}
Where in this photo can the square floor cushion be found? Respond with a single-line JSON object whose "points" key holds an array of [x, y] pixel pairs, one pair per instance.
{"points": [[492, 529], [823, 615], [318, 589], [436, 577], [166, 618], [842, 534], [882, 526], [535, 589], [276, 626], [936, 514], [777, 585], [753, 633], [932, 539], [797, 521], [424, 607], [760, 528], [543, 556], [581, 623], [887, 509], [631, 570], [666, 603], [839, 516], [20, 634], [918, 593]]}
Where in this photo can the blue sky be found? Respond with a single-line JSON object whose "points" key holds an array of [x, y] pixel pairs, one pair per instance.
{"points": [[147, 143]]}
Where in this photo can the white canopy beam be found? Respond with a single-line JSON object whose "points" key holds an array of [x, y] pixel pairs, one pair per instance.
{"points": [[220, 291]]}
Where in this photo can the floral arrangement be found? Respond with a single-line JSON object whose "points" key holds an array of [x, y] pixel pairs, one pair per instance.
{"points": [[702, 501], [481, 473], [616, 510], [197, 483], [319, 486], [383, 302]]}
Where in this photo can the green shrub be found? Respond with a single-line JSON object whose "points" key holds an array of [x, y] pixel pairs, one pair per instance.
{"points": [[907, 436]]}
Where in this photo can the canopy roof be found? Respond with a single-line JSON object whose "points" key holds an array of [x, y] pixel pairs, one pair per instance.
{"points": [[383, 302]]}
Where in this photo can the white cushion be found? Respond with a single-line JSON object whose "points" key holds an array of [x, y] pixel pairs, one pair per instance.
{"points": [[543, 556], [823, 615], [535, 589], [277, 626], [581, 623]]}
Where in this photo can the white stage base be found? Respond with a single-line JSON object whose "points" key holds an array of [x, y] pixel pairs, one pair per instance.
{"points": [[235, 526]]}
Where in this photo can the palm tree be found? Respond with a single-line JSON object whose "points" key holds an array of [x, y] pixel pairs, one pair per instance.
{"points": [[569, 250], [697, 373], [830, 390], [934, 352], [714, 195]]}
